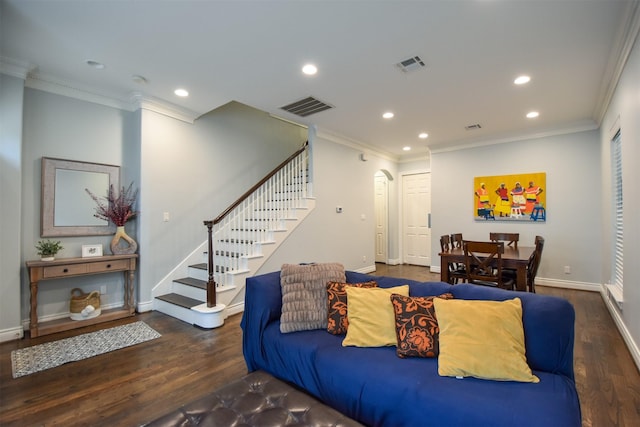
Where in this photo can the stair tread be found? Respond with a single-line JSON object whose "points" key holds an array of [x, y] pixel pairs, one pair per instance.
{"points": [[180, 300], [190, 281]]}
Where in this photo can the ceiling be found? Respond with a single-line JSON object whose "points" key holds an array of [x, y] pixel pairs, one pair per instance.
{"points": [[253, 51]]}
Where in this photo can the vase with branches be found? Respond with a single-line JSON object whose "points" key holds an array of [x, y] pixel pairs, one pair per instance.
{"points": [[118, 208]]}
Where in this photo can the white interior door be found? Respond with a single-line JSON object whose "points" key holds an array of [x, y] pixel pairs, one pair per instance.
{"points": [[382, 216], [416, 208]]}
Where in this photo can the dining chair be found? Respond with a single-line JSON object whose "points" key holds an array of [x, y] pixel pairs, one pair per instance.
{"points": [[456, 270], [483, 263], [456, 240], [532, 265], [510, 238]]}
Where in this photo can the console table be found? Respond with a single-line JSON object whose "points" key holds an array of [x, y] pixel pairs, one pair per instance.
{"points": [[69, 267]]}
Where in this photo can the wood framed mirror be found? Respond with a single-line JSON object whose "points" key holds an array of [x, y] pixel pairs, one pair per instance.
{"points": [[66, 208]]}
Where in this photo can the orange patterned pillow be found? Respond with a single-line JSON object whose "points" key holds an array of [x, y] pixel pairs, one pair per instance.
{"points": [[337, 294], [416, 325]]}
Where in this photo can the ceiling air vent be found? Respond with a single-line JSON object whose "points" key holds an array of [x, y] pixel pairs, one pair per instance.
{"points": [[411, 64], [306, 107], [473, 127]]}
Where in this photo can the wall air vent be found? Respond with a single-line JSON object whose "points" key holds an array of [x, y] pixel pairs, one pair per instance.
{"points": [[473, 127], [306, 107], [410, 64]]}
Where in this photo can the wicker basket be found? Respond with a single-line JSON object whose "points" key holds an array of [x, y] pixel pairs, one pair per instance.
{"points": [[80, 302]]}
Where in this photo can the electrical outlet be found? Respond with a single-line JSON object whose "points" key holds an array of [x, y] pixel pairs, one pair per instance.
{"points": [[166, 217], [567, 269], [364, 258], [103, 290]]}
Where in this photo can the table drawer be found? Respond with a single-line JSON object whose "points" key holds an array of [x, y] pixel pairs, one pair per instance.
{"points": [[63, 270], [104, 266]]}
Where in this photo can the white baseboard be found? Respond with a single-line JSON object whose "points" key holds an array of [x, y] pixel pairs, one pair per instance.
{"points": [[366, 270], [235, 309], [143, 307], [617, 318], [568, 284], [11, 334]]}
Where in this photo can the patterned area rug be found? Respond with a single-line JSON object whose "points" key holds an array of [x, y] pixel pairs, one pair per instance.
{"points": [[49, 355]]}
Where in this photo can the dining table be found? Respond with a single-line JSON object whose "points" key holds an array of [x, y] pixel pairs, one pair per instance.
{"points": [[516, 259]]}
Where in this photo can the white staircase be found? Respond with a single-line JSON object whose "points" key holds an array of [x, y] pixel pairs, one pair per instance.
{"points": [[243, 238]]}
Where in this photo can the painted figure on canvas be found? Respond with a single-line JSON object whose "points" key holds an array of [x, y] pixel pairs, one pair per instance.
{"points": [[483, 199], [503, 206], [531, 194]]}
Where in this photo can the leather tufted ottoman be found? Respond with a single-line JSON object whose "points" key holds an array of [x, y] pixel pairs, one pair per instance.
{"points": [[257, 399]]}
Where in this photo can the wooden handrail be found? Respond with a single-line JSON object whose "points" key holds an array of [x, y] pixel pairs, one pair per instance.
{"points": [[258, 185], [211, 284]]}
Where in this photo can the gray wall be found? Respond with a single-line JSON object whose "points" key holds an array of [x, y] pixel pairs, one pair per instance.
{"points": [[11, 102], [67, 128], [194, 171], [572, 232], [340, 178]]}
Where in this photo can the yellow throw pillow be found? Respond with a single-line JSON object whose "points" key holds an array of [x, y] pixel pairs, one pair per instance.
{"points": [[371, 319], [482, 339]]}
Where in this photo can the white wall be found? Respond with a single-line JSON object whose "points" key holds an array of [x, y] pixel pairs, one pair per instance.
{"points": [[624, 114], [11, 103], [572, 232]]}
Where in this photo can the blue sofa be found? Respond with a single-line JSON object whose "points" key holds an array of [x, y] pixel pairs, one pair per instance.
{"points": [[377, 388]]}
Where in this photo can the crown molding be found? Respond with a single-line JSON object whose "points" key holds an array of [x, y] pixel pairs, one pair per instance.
{"points": [[144, 102], [15, 68], [618, 59], [355, 144], [581, 126], [131, 102], [60, 87]]}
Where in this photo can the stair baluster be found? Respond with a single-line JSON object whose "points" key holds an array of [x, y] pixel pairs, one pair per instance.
{"points": [[273, 197]]}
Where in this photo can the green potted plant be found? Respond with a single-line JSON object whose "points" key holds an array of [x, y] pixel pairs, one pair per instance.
{"points": [[47, 249]]}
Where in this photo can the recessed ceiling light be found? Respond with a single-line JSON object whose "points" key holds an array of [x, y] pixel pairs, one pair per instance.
{"points": [[388, 115], [181, 92], [423, 135], [95, 64], [532, 114], [407, 148], [520, 80], [310, 69]]}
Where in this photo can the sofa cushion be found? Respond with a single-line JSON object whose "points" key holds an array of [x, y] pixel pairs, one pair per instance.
{"points": [[304, 295], [337, 322], [371, 319], [482, 339], [416, 325]]}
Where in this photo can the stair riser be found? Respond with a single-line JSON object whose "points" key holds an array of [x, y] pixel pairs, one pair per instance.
{"points": [[190, 291], [184, 314]]}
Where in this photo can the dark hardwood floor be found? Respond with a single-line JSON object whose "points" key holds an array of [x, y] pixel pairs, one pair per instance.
{"points": [[135, 385]]}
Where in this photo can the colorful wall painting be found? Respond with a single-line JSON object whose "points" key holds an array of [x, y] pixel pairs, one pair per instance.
{"points": [[520, 197]]}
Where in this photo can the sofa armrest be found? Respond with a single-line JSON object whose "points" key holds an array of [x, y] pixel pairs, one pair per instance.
{"points": [[262, 305]]}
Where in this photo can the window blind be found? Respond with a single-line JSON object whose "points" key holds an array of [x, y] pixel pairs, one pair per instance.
{"points": [[616, 168]]}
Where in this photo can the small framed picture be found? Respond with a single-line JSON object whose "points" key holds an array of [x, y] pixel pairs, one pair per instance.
{"points": [[91, 250]]}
